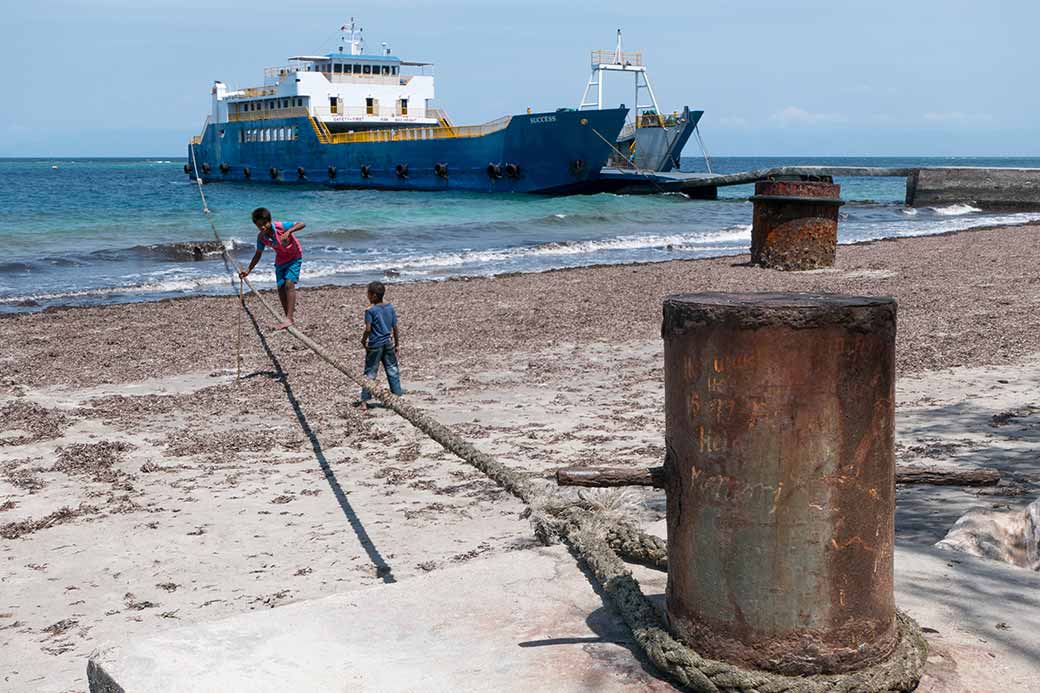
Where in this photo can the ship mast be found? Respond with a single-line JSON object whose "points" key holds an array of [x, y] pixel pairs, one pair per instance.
{"points": [[618, 60], [352, 36]]}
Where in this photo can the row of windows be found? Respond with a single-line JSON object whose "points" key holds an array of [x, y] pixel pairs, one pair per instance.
{"points": [[268, 134], [271, 104], [347, 69]]}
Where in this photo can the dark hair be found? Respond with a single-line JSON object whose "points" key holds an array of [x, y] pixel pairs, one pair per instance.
{"points": [[261, 214], [377, 289]]}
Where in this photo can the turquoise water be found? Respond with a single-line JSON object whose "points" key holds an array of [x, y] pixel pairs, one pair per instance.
{"points": [[93, 231]]}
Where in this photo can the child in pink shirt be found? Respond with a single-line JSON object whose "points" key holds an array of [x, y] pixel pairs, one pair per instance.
{"points": [[288, 257]]}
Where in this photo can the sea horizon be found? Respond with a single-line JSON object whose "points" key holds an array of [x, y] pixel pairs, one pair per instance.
{"points": [[98, 230]]}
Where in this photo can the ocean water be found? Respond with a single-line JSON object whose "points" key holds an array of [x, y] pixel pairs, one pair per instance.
{"points": [[88, 231]]}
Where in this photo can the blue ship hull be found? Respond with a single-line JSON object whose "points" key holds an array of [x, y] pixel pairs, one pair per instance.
{"points": [[552, 153]]}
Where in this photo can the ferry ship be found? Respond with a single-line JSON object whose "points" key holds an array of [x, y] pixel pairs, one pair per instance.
{"points": [[354, 119]]}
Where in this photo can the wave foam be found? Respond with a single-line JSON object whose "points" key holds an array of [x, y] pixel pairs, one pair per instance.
{"points": [[955, 210]]}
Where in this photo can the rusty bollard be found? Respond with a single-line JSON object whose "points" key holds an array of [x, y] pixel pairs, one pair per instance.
{"points": [[781, 478], [795, 224]]}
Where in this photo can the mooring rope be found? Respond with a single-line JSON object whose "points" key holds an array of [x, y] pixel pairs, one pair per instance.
{"points": [[649, 176], [704, 148], [598, 539]]}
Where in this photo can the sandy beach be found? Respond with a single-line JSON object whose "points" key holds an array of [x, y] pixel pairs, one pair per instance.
{"points": [[142, 487]]}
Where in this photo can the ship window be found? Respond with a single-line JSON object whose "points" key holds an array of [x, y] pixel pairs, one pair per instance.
{"points": [[370, 105], [299, 101], [357, 69], [404, 106], [337, 68], [366, 70], [296, 133], [396, 69], [386, 69]]}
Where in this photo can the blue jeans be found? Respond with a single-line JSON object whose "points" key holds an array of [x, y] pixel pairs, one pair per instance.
{"points": [[388, 357]]}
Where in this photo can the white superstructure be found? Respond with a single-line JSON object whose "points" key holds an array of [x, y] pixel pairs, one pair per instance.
{"points": [[348, 90]]}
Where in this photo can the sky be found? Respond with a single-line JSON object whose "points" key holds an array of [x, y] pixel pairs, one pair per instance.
{"points": [[878, 78]]}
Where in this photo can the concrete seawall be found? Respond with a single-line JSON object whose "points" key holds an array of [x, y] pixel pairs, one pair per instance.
{"points": [[1011, 189], [986, 188]]}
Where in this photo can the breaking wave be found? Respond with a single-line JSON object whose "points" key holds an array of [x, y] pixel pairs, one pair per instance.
{"points": [[955, 210]]}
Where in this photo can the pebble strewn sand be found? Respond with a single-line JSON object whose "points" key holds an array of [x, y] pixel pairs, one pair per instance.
{"points": [[141, 488], [966, 298]]}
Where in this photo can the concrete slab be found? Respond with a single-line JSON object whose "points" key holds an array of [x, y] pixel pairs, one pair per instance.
{"points": [[981, 618], [531, 621], [524, 621]]}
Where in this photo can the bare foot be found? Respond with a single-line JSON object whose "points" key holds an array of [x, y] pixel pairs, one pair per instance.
{"points": [[283, 325]]}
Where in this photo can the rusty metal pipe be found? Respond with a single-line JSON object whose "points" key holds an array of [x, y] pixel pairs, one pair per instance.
{"points": [[781, 485]]}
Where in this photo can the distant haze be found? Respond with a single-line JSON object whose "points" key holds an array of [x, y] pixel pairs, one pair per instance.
{"points": [[121, 78]]}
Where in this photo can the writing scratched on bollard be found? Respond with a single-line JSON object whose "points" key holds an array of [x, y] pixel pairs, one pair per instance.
{"points": [[718, 416]]}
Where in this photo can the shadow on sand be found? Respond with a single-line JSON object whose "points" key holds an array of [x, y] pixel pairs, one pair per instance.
{"points": [[383, 570]]}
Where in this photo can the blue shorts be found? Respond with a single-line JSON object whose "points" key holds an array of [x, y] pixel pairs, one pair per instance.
{"points": [[289, 272]]}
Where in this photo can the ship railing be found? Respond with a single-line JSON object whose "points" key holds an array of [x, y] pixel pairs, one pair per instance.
{"points": [[197, 139], [611, 58], [255, 91], [277, 73], [274, 75], [321, 131], [421, 133], [441, 116], [361, 113], [269, 114]]}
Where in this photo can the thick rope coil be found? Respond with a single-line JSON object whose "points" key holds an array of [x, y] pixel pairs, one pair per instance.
{"points": [[900, 672], [594, 532]]}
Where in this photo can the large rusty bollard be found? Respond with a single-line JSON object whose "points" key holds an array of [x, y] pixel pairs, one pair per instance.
{"points": [[795, 224], [781, 478]]}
